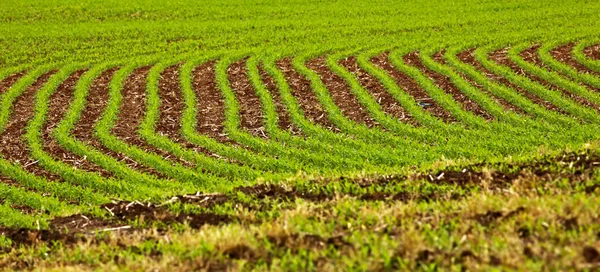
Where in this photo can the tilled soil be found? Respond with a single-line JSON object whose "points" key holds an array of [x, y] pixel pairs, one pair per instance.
{"points": [[251, 111], [97, 101], [7, 82], [410, 86], [210, 104], [593, 51], [378, 91], [171, 110], [57, 108], [13, 146], [501, 57], [563, 54], [284, 119], [341, 93], [446, 84], [531, 55], [468, 57], [132, 112], [306, 98]]}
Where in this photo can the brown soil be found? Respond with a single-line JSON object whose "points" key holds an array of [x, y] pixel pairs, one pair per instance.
{"points": [[171, 110], [13, 146], [58, 106], [262, 191], [531, 55], [306, 98], [373, 86], [341, 93], [132, 112], [285, 121], [446, 84], [7, 82], [410, 86], [251, 111], [75, 228], [593, 51], [97, 100], [210, 105], [563, 54], [467, 57], [501, 57]]}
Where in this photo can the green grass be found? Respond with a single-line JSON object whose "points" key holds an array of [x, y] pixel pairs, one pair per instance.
{"points": [[389, 197]]}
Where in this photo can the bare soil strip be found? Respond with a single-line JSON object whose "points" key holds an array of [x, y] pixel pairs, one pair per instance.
{"points": [[132, 112], [97, 101], [467, 57], [377, 90], [302, 91], [171, 110], [12, 143], [6, 83], [251, 111], [564, 55], [210, 104], [59, 103], [500, 57], [446, 84], [593, 51], [341, 93], [411, 87], [531, 55], [285, 121]]}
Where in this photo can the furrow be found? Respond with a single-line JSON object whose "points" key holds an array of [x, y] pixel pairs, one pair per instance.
{"points": [[250, 109], [58, 105], [446, 84], [467, 57], [411, 87], [164, 80], [130, 115], [83, 130], [13, 147], [564, 54], [593, 52], [340, 93], [388, 104], [530, 60], [283, 117], [301, 90]]}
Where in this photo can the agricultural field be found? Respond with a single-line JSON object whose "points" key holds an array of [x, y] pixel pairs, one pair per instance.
{"points": [[299, 135]]}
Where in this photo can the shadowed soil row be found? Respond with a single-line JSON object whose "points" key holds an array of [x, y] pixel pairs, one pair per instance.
{"points": [[12, 143], [96, 103], [340, 93], [251, 111], [531, 55], [302, 91], [378, 91], [58, 105], [412, 88]]}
